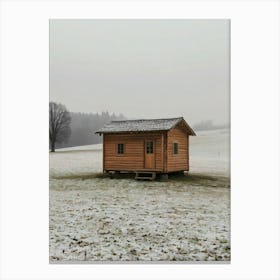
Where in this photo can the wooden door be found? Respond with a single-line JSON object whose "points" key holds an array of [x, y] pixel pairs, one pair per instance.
{"points": [[150, 154]]}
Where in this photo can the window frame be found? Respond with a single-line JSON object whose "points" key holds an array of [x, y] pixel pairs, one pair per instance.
{"points": [[150, 147], [117, 149], [173, 148]]}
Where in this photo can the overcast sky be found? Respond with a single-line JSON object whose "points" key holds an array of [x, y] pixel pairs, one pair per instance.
{"points": [[142, 68]]}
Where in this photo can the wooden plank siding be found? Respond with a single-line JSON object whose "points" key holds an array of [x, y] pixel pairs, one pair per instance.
{"points": [[103, 158], [165, 152], [133, 158], [147, 145], [180, 161]]}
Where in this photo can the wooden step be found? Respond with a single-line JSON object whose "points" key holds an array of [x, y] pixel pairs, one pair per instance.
{"points": [[143, 176]]}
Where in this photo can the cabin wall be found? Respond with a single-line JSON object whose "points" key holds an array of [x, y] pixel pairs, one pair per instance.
{"points": [[133, 158], [180, 161]]}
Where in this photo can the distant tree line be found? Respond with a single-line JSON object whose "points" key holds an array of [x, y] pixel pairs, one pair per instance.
{"points": [[208, 125], [84, 125], [67, 129]]}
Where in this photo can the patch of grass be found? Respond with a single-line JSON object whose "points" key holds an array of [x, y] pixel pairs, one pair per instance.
{"points": [[89, 176], [81, 176], [200, 179], [193, 179]]}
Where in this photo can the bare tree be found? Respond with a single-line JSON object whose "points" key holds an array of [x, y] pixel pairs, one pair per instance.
{"points": [[59, 124]]}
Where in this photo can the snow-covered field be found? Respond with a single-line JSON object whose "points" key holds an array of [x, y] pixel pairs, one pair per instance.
{"points": [[210, 152], [101, 219]]}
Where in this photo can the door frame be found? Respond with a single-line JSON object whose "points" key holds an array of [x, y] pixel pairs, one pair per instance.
{"points": [[154, 153]]}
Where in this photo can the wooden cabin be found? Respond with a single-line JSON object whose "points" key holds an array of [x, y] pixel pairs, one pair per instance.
{"points": [[146, 147]]}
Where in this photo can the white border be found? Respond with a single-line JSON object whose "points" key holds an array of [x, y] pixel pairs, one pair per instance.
{"points": [[255, 138]]}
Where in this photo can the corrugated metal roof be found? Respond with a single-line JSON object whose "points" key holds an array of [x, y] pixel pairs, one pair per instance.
{"points": [[140, 125]]}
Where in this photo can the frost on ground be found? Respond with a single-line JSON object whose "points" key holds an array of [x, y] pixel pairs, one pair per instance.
{"points": [[101, 219]]}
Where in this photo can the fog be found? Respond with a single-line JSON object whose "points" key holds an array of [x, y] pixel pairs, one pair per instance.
{"points": [[142, 68]]}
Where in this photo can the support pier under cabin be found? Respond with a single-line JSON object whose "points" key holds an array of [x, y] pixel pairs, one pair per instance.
{"points": [[146, 146]]}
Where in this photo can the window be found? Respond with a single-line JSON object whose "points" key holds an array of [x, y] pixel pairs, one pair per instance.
{"points": [[150, 147], [175, 148], [120, 149]]}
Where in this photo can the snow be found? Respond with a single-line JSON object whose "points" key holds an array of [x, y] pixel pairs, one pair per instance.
{"points": [[210, 152], [102, 219], [140, 125], [82, 148]]}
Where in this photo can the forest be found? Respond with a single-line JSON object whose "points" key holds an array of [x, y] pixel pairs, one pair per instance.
{"points": [[84, 125]]}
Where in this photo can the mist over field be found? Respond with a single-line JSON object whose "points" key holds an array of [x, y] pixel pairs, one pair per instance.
{"points": [[84, 125], [142, 68]]}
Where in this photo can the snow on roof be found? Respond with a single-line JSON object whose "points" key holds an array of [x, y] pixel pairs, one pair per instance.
{"points": [[140, 125]]}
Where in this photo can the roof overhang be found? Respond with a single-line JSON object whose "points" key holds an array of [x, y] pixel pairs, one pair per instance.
{"points": [[179, 122]]}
